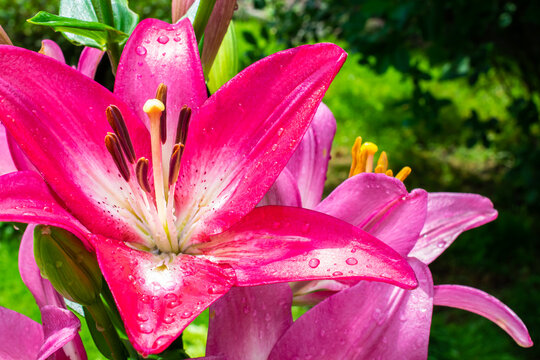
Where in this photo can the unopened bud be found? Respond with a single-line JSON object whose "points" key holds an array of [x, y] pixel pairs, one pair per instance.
{"points": [[71, 269]]}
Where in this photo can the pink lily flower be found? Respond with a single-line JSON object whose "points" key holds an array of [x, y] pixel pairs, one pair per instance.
{"points": [[359, 320], [171, 243], [22, 337]]}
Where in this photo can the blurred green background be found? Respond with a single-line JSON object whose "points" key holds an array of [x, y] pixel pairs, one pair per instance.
{"points": [[450, 88]]}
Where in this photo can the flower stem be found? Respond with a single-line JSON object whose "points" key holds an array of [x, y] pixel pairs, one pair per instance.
{"points": [[106, 327], [201, 19]]}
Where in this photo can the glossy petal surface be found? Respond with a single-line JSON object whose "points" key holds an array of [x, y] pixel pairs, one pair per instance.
{"points": [[450, 214], [368, 321], [162, 295], [284, 191], [481, 303], [60, 326], [57, 116], [275, 244], [247, 322], [89, 61], [20, 336], [51, 49], [228, 165]]}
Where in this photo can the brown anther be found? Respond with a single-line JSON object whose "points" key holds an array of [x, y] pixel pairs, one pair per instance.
{"points": [[113, 145], [174, 163], [161, 95], [183, 123], [141, 171], [116, 120]]}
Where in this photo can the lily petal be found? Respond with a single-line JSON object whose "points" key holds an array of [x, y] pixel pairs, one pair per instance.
{"points": [[51, 49], [380, 205], [309, 162], [26, 198], [59, 121], [6, 162], [481, 303], [368, 321], [162, 294], [284, 192], [276, 244], [448, 215], [60, 326], [20, 336], [263, 113], [89, 61], [247, 322]]}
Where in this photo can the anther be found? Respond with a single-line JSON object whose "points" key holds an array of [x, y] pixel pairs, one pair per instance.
{"points": [[183, 123], [112, 144], [355, 155], [116, 120], [174, 163], [382, 163], [403, 173], [368, 151], [141, 170], [161, 95]]}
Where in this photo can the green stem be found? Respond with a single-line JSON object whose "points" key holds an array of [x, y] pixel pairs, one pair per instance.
{"points": [[113, 52], [105, 326], [201, 19], [104, 13]]}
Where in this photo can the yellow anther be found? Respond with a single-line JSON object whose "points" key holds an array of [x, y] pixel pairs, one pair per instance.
{"points": [[153, 106], [379, 169], [368, 151], [355, 155], [382, 163], [402, 175], [389, 172]]}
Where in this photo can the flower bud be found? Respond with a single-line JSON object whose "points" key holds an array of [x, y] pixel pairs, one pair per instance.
{"points": [[63, 259]]}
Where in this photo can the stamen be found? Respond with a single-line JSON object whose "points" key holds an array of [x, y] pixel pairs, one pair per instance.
{"points": [[161, 95], [112, 144], [116, 120], [382, 162], [183, 123], [141, 170], [355, 155], [389, 172], [403, 173], [368, 151], [174, 163]]}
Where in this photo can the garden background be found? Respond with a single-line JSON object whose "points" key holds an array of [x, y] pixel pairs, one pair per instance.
{"points": [[449, 88]]}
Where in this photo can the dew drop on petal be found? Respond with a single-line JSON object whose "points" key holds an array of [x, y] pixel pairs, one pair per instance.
{"points": [[163, 39], [441, 244], [140, 50], [351, 261], [142, 317], [160, 341], [145, 328], [337, 273], [313, 263], [186, 314]]}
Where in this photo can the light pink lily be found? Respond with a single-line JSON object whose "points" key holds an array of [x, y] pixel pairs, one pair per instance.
{"points": [[172, 243], [22, 337]]}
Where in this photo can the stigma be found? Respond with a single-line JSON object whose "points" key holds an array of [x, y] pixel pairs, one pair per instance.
{"points": [[362, 161], [151, 203]]}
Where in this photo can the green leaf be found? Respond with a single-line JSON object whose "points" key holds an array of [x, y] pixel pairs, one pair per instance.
{"points": [[125, 19], [80, 32], [97, 336], [226, 62]]}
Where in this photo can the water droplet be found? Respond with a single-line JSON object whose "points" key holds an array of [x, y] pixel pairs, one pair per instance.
{"points": [[186, 314], [160, 341], [280, 131], [142, 317], [146, 299], [170, 296], [337, 273], [212, 290], [140, 50], [351, 261], [168, 319], [47, 209], [145, 328], [313, 263], [163, 39], [441, 244], [177, 38], [173, 304], [274, 147]]}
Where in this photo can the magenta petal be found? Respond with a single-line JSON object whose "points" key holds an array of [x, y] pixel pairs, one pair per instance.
{"points": [[89, 61], [276, 243], [6, 162], [158, 296], [284, 191], [263, 113], [309, 162], [26, 198], [481, 303], [57, 116], [247, 322], [380, 205], [20, 337], [158, 52], [448, 215], [367, 321], [51, 49], [60, 326]]}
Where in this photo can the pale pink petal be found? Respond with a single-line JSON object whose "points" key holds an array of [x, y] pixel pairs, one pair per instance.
{"points": [[246, 132], [284, 191], [380, 205], [26, 198], [309, 162], [60, 326], [41, 288], [481, 303], [57, 116], [158, 296], [276, 244], [311, 293], [20, 337], [247, 322], [6, 162], [450, 214], [89, 61], [51, 49], [367, 321]]}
